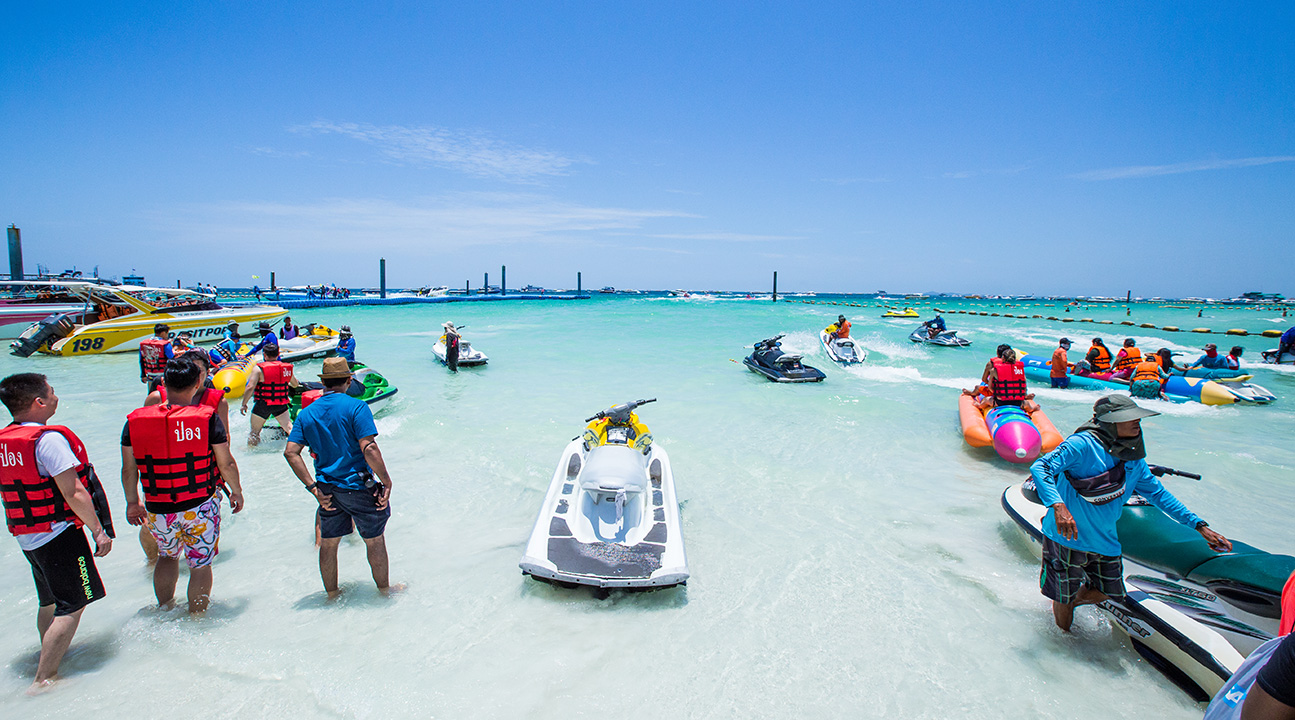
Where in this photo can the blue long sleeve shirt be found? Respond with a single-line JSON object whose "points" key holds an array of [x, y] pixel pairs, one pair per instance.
{"points": [[269, 339], [1218, 362], [346, 349], [1084, 456]]}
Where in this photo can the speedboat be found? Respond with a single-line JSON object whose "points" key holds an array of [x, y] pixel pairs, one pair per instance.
{"points": [[468, 355], [29, 301], [1194, 614], [610, 518], [842, 350], [946, 338], [769, 360], [115, 318]]}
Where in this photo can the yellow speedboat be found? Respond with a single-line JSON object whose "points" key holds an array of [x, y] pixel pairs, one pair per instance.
{"points": [[906, 313], [115, 318]]}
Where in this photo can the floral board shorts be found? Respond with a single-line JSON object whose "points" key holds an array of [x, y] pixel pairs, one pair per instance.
{"points": [[192, 533]]}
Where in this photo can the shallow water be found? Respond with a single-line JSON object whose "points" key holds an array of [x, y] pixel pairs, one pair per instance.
{"points": [[848, 551]]}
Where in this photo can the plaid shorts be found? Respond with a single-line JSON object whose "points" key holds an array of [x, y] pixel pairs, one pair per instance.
{"points": [[1065, 571]]}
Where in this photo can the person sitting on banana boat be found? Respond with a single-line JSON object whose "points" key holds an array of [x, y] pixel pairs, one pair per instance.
{"points": [[1148, 378], [1125, 360], [1003, 383], [1211, 360]]}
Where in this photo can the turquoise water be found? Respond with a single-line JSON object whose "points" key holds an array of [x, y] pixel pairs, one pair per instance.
{"points": [[848, 552]]}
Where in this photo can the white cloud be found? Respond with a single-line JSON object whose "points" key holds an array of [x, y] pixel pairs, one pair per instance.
{"points": [[472, 153], [726, 237], [365, 224], [1140, 171]]}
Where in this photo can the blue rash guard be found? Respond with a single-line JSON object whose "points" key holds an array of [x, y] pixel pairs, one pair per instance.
{"points": [[269, 339], [1218, 362], [1084, 456], [1288, 337], [937, 323], [346, 349]]}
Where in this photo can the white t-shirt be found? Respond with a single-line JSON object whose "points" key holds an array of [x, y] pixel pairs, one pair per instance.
{"points": [[53, 456]]}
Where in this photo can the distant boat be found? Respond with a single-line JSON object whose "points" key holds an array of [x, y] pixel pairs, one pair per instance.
{"points": [[608, 290], [533, 289]]}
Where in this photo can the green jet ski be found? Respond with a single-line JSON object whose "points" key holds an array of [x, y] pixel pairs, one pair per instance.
{"points": [[367, 384]]}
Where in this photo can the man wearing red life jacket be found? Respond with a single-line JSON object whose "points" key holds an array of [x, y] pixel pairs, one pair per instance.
{"points": [[180, 452], [207, 395], [153, 354], [49, 492], [269, 384]]}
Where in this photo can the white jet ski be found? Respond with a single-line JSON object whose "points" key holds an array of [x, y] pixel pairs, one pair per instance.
{"points": [[947, 338], [610, 518], [468, 355], [845, 351], [304, 347], [1192, 613]]}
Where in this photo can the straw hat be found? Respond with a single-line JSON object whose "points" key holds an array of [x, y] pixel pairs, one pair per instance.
{"points": [[334, 368]]}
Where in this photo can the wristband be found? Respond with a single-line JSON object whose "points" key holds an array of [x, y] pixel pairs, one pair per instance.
{"points": [[311, 487], [1202, 524]]}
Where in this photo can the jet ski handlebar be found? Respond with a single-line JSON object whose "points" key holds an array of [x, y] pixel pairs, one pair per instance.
{"points": [[1161, 471], [620, 413], [770, 342]]}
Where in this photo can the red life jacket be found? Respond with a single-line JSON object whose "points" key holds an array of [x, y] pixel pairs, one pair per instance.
{"points": [[1132, 356], [309, 397], [273, 388], [152, 353], [1101, 363], [844, 330], [174, 455], [33, 502], [211, 397], [1009, 380]]}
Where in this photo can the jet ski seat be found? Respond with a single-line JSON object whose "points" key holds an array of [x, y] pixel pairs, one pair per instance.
{"points": [[1155, 539], [611, 469], [787, 360]]}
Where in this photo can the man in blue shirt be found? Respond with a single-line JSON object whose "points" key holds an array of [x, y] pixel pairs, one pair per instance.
{"points": [[1211, 360], [267, 338], [346, 344], [1085, 483], [1286, 345], [340, 432]]}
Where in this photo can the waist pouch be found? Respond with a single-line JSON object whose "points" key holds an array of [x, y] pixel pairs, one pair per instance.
{"points": [[1100, 489]]}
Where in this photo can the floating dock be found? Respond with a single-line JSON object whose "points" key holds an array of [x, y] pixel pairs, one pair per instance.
{"points": [[304, 303]]}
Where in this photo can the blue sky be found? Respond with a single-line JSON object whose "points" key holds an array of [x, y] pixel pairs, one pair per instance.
{"points": [[852, 147]]}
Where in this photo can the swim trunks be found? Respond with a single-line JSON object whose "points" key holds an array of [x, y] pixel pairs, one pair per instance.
{"points": [[1061, 382], [1065, 571], [263, 410], [64, 571], [193, 533]]}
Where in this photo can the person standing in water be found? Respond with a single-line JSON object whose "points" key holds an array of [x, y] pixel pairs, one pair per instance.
{"points": [[269, 385], [1057, 369], [451, 347], [1084, 483], [350, 482], [289, 331], [180, 453], [154, 352], [50, 491]]}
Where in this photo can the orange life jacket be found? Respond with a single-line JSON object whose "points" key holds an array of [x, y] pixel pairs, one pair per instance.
{"points": [[176, 463], [273, 388], [844, 330], [152, 353], [1009, 380], [211, 397], [33, 502], [1101, 363], [1132, 356], [1148, 369]]}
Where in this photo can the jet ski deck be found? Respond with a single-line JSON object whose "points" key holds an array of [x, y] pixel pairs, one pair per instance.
{"points": [[845, 351], [947, 338]]}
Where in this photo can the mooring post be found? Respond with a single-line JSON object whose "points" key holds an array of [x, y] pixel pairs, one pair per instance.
{"points": [[272, 288], [485, 283], [382, 278], [775, 286], [503, 279], [577, 283], [467, 287], [15, 254]]}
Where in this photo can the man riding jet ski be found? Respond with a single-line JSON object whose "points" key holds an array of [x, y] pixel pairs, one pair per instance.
{"points": [[770, 361], [610, 518], [933, 332], [838, 344]]}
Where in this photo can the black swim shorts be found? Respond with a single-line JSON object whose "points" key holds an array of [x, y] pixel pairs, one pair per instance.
{"points": [[263, 410], [1065, 571], [64, 571]]}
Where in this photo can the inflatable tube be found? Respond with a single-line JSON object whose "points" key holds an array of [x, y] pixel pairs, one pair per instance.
{"points": [[233, 376], [1008, 430], [1209, 392]]}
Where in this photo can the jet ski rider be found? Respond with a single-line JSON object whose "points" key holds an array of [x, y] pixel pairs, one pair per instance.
{"points": [[1085, 483], [842, 328], [934, 327]]}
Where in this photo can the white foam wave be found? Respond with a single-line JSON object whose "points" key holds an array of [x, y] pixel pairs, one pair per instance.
{"points": [[906, 375]]}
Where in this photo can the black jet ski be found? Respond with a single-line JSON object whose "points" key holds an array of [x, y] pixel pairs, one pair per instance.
{"points": [[946, 338], [1194, 614], [770, 361]]}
